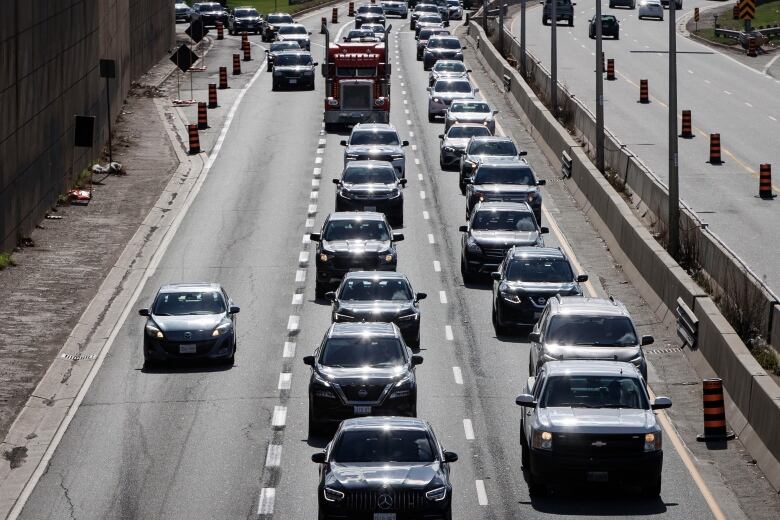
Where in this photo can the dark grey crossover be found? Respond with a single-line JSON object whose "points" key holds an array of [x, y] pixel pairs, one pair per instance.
{"points": [[272, 23], [277, 48], [480, 149], [504, 181], [371, 186], [244, 19], [294, 70], [454, 142]]}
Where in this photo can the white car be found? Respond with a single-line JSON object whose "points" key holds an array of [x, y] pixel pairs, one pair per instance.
{"points": [[456, 10], [651, 9], [396, 8], [441, 94]]}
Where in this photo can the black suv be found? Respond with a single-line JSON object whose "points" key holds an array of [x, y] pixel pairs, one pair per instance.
{"points": [[371, 186], [369, 13], [479, 149], [564, 10], [293, 69], [361, 369], [353, 241], [507, 181], [384, 467], [244, 19], [379, 296], [494, 228], [525, 280], [441, 48], [271, 25], [609, 27], [209, 13]]}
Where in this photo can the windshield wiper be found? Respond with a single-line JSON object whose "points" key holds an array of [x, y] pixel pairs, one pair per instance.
{"points": [[599, 344], [617, 406]]}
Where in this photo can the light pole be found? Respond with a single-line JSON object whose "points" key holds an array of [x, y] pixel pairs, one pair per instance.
{"points": [[522, 38], [553, 59], [599, 92], [674, 188]]}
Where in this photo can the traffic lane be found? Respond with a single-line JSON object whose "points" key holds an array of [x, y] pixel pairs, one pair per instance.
{"points": [[152, 451]]}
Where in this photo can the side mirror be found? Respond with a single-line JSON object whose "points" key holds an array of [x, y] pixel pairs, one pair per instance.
{"points": [[647, 340], [582, 277], [476, 90], [308, 360], [336, 181], [661, 402], [309, 33], [343, 142], [429, 89], [143, 312], [315, 237], [495, 112], [446, 23], [441, 136], [330, 296], [397, 237], [267, 51], [405, 143], [234, 309], [463, 229], [525, 400], [463, 48], [318, 458], [315, 64], [496, 276], [403, 182], [417, 360], [450, 456], [420, 296], [544, 230], [541, 182], [522, 154], [534, 336]]}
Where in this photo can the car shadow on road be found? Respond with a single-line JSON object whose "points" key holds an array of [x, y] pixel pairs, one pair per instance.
{"points": [[594, 501], [319, 441], [180, 367]]}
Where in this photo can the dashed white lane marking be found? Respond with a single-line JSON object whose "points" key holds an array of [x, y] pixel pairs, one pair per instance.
{"points": [[266, 505], [406, 111], [320, 151], [748, 104], [300, 275], [406, 101], [772, 118], [303, 257], [443, 296], [297, 299], [427, 215], [411, 134], [315, 183], [293, 322], [690, 71], [279, 417], [403, 92], [436, 266], [420, 177], [312, 209], [274, 456], [414, 147], [583, 45], [727, 92], [481, 493], [409, 122], [707, 81], [317, 172], [314, 195], [431, 240], [403, 84], [289, 349], [318, 160], [309, 222], [468, 429], [416, 161], [448, 333], [306, 239], [322, 142], [422, 195], [285, 378], [458, 375]]}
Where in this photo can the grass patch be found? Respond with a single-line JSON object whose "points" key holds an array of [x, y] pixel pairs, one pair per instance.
{"points": [[767, 358], [709, 35], [6, 261]]}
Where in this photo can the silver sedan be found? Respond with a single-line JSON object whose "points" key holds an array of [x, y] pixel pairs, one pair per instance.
{"points": [[470, 111], [452, 144], [441, 94]]}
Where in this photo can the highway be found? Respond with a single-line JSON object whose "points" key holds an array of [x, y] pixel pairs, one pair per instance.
{"points": [[232, 443], [725, 97]]}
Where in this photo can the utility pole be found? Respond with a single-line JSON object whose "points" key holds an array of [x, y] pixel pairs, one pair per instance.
{"points": [[485, 17], [500, 29], [674, 183], [522, 39], [599, 92], [553, 59]]}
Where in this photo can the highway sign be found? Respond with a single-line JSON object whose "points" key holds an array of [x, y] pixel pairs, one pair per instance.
{"points": [[747, 9], [184, 58]]}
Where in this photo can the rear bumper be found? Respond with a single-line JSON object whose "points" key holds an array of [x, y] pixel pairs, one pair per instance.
{"points": [[351, 117]]}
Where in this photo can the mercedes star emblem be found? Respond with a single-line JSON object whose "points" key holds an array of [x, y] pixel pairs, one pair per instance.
{"points": [[541, 301], [384, 501], [187, 335]]}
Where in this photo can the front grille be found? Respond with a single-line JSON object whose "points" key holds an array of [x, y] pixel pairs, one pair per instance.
{"points": [[402, 500], [375, 157], [596, 445], [505, 197], [356, 97], [367, 261], [494, 252], [352, 392]]}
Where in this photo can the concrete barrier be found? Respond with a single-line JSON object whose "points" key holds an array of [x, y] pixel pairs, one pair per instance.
{"points": [[753, 399]]}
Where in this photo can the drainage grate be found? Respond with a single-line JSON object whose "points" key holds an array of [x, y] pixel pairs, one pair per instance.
{"points": [[663, 350], [78, 357]]}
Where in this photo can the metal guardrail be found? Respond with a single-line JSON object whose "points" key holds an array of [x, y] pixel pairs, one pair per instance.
{"points": [[687, 324]]}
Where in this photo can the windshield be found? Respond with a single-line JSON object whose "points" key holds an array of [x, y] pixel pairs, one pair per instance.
{"points": [[188, 303], [376, 9], [605, 331], [383, 445], [425, 34], [292, 59], [498, 148], [465, 132], [209, 7], [522, 221], [594, 392], [280, 46], [430, 19], [369, 175], [471, 106], [375, 290], [497, 175], [426, 9], [461, 87], [356, 230], [292, 29], [538, 270], [361, 33], [454, 3], [280, 18], [449, 66], [365, 137], [362, 351], [245, 13], [443, 43]]}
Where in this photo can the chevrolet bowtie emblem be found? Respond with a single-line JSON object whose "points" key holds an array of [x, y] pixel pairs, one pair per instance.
{"points": [[598, 444]]}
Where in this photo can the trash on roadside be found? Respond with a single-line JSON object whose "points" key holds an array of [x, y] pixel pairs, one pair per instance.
{"points": [[79, 196]]}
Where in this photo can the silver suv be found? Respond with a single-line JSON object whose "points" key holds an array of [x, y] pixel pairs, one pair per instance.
{"points": [[572, 327], [590, 422], [376, 142]]}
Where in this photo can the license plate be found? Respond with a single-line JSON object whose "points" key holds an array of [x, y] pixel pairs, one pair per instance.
{"points": [[384, 516], [293, 81], [187, 349], [597, 476], [369, 208], [362, 410]]}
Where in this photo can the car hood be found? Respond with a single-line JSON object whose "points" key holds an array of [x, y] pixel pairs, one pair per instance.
{"points": [[368, 189], [505, 237], [596, 420], [374, 149], [356, 246], [470, 117], [363, 375], [550, 288], [504, 188], [593, 352], [360, 476], [374, 311]]}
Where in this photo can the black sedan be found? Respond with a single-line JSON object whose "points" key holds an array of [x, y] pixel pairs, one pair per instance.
{"points": [[609, 27], [379, 296], [278, 47], [371, 186], [360, 369], [293, 69], [188, 322], [493, 229], [353, 241], [385, 468], [244, 19]]}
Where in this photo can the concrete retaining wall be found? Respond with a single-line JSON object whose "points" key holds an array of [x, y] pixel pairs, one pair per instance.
{"points": [[753, 399], [49, 54]]}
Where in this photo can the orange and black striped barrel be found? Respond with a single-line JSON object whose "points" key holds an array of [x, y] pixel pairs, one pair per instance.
{"points": [[715, 149], [687, 126], [236, 64], [765, 182], [203, 118], [752, 49], [247, 53], [351, 11], [610, 69], [220, 31], [334, 17], [192, 130], [714, 411], [323, 25], [644, 91], [244, 38], [212, 95], [223, 84]]}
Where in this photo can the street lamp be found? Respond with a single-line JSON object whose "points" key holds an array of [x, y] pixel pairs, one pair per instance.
{"points": [[553, 58], [599, 92], [674, 187]]}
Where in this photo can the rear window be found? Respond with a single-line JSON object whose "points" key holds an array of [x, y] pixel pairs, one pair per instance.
{"points": [[383, 445], [487, 220], [497, 148], [502, 175], [604, 331]]}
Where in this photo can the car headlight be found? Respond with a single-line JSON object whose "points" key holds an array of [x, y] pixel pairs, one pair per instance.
{"points": [[403, 388], [636, 360], [395, 193], [653, 441], [389, 258], [332, 495], [153, 331], [436, 495], [472, 246], [222, 329], [408, 317], [324, 257], [436, 100], [511, 298], [531, 197], [541, 440]]}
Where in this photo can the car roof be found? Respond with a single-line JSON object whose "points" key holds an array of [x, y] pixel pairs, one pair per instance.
{"points": [[578, 305], [502, 206], [536, 252], [288, 52], [590, 367], [375, 127], [190, 287], [371, 328], [356, 215], [406, 423], [387, 275]]}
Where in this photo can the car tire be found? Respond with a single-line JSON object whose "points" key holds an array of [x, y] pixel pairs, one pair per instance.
{"points": [[498, 327], [320, 290], [525, 455], [468, 276], [617, 35], [315, 427], [431, 118], [398, 218], [571, 22], [441, 162], [448, 514], [274, 86], [611, 5], [652, 490], [545, 21]]}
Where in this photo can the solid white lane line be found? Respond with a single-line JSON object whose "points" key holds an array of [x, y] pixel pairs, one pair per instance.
{"points": [[436, 266], [279, 417], [297, 299], [266, 505], [303, 257], [468, 429], [427, 216], [300, 275], [443, 296], [727, 92], [458, 375], [293, 322], [273, 458], [289, 349], [422, 194], [448, 333], [481, 493], [285, 378], [431, 240]]}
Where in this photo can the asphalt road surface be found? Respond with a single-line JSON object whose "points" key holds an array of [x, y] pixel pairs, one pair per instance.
{"points": [[232, 443], [724, 95]]}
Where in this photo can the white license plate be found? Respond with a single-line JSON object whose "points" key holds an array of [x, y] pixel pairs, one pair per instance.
{"points": [[369, 208], [293, 81], [384, 516], [187, 349], [597, 476], [362, 410]]}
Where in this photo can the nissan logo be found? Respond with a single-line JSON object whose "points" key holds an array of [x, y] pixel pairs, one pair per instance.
{"points": [[542, 301], [362, 392], [384, 501], [187, 335]]}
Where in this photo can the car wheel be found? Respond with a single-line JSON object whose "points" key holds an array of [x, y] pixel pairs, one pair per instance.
{"points": [[431, 118], [315, 427], [500, 329], [404, 17], [319, 290], [571, 22], [468, 276], [545, 21], [611, 5], [398, 218], [448, 514], [274, 86], [525, 457], [617, 35], [441, 162], [652, 490]]}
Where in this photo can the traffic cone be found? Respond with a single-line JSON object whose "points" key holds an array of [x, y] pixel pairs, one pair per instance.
{"points": [[714, 412], [236, 64], [765, 182], [223, 84], [192, 130], [752, 50], [244, 38], [323, 25], [213, 95], [203, 118], [715, 149], [644, 91], [247, 53], [334, 17], [687, 127], [220, 31], [611, 69]]}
